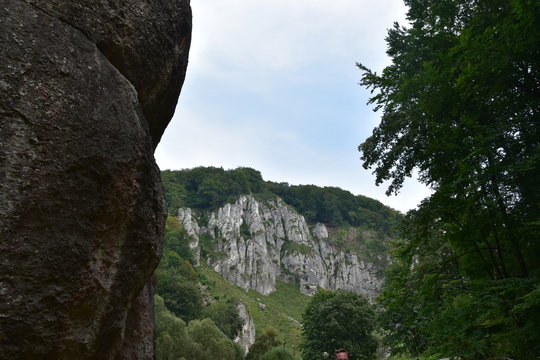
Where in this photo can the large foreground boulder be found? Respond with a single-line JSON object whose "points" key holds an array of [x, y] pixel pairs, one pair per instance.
{"points": [[87, 89]]}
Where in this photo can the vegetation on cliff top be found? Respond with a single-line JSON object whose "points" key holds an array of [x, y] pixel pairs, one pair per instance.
{"points": [[356, 224], [208, 188]]}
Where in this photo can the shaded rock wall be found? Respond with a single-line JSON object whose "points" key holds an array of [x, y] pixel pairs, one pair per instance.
{"points": [[146, 41], [87, 89]]}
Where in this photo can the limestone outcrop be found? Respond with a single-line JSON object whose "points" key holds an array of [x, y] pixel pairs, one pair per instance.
{"points": [[87, 90], [192, 228], [259, 242], [246, 337]]}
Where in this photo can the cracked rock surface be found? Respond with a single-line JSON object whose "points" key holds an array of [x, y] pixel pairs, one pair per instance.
{"points": [[87, 90], [259, 242]]}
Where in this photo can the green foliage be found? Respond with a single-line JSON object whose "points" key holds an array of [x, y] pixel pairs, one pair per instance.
{"points": [[207, 188], [172, 265], [293, 247], [176, 238], [182, 296], [177, 278], [244, 231], [210, 342], [368, 245], [461, 104], [277, 353], [442, 299], [208, 247], [171, 335], [264, 342], [225, 315], [337, 207], [435, 311], [284, 306], [201, 339], [338, 319]]}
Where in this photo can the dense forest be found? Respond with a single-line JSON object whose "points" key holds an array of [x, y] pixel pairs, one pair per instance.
{"points": [[461, 104], [208, 188]]}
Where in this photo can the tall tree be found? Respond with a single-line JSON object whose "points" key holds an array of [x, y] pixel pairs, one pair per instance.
{"points": [[264, 342], [224, 314], [338, 319], [461, 104]]}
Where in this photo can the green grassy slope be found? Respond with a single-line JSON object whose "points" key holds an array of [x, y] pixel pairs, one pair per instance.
{"points": [[283, 307]]}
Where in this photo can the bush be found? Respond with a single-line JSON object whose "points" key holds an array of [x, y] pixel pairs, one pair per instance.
{"points": [[339, 319], [182, 297], [263, 343], [225, 315], [200, 340], [277, 353]]}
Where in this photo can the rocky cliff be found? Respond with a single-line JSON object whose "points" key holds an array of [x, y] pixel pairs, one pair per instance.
{"points": [[87, 90], [253, 243]]}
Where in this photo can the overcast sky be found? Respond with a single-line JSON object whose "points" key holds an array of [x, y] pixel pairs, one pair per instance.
{"points": [[272, 85]]}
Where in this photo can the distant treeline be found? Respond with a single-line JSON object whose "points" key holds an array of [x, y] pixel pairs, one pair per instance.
{"points": [[208, 188]]}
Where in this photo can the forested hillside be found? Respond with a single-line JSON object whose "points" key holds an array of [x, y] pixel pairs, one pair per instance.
{"points": [[294, 240], [208, 188]]}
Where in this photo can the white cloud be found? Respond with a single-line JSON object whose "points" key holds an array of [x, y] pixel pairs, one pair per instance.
{"points": [[272, 85], [214, 142], [284, 34]]}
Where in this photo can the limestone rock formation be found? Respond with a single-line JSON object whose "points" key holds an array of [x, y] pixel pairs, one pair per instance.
{"points": [[259, 242], [87, 90], [246, 338], [192, 228]]}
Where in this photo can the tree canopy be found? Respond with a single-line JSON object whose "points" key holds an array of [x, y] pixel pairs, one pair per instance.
{"points": [[268, 340], [225, 315], [208, 188], [177, 278], [201, 339], [335, 320], [461, 104]]}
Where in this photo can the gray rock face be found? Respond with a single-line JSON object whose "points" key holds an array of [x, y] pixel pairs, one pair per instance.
{"points": [[258, 243], [192, 228], [246, 338], [146, 41], [81, 202]]}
